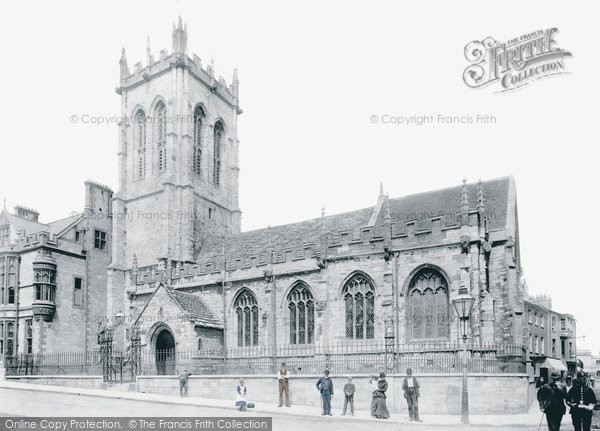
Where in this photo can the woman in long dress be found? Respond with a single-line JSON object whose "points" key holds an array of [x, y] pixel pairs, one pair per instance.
{"points": [[240, 396], [378, 404]]}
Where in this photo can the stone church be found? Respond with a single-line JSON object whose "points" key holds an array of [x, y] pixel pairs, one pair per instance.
{"points": [[166, 249], [184, 273]]}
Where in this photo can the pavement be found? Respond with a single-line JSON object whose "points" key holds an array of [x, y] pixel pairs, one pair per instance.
{"points": [[526, 420]]}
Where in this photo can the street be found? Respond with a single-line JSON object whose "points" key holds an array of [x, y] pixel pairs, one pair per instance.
{"points": [[34, 403]]}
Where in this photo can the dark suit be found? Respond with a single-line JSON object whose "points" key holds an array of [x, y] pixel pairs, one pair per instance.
{"points": [[581, 395], [552, 402], [325, 386]]}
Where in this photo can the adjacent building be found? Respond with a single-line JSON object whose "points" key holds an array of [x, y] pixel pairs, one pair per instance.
{"points": [[53, 276], [551, 337]]}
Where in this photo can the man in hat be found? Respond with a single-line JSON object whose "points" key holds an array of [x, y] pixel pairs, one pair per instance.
{"points": [[582, 400], [283, 378], [325, 386], [551, 397], [410, 386]]}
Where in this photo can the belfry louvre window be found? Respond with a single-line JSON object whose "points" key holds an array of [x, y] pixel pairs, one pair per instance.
{"points": [[427, 306], [302, 314], [359, 300], [161, 136], [218, 141], [198, 130], [140, 142], [246, 310]]}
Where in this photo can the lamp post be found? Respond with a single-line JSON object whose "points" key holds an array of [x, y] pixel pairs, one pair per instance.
{"points": [[463, 304], [389, 342]]}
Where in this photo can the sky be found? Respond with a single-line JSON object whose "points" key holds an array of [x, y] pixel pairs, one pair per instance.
{"points": [[317, 82]]}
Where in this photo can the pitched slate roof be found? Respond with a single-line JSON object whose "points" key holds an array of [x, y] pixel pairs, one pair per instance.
{"points": [[444, 202], [283, 236], [20, 224], [194, 308]]}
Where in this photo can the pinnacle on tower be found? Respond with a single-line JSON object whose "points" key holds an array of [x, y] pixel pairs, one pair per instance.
{"points": [[180, 38], [123, 65]]}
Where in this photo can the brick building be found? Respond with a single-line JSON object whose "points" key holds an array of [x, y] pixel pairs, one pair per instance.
{"points": [[184, 273], [53, 277]]}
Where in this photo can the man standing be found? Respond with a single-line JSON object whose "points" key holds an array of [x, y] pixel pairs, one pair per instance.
{"points": [[551, 397], [283, 378], [410, 386], [349, 389], [183, 383], [325, 386], [582, 400]]}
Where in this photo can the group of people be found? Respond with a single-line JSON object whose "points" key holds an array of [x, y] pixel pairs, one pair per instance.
{"points": [[410, 386], [554, 398]]}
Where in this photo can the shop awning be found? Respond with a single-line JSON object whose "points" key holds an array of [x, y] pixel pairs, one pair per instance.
{"points": [[554, 364]]}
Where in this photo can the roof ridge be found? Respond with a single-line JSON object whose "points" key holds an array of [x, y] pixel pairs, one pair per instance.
{"points": [[458, 186]]}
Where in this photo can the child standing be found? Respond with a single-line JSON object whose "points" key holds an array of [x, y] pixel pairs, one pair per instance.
{"points": [[240, 396], [349, 389]]}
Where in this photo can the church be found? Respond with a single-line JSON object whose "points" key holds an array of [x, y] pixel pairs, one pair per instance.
{"points": [[169, 255], [184, 273]]}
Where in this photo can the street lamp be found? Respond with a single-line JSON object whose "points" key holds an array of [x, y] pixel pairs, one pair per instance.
{"points": [[463, 304], [389, 342]]}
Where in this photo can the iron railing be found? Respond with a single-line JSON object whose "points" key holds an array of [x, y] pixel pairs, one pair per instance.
{"points": [[360, 357]]}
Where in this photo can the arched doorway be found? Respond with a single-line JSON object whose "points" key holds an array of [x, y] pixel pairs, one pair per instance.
{"points": [[165, 352]]}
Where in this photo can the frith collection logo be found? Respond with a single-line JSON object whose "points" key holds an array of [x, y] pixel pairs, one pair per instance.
{"points": [[515, 63]]}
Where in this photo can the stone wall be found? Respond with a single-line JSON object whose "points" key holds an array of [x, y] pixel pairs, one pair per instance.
{"points": [[440, 393]]}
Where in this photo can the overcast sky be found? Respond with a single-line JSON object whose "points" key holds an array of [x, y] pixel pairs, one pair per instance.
{"points": [[311, 76]]}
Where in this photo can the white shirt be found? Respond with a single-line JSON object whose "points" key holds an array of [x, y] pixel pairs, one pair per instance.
{"points": [[409, 382]]}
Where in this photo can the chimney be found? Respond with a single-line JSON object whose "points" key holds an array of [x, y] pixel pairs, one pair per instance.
{"points": [[27, 213]]}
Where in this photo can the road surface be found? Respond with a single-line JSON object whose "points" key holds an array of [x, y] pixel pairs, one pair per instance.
{"points": [[15, 402]]}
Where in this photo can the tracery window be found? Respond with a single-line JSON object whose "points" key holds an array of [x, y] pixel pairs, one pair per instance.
{"points": [[161, 136], [302, 314], [44, 284], [427, 306], [198, 130], [218, 142], [246, 309], [359, 300], [140, 142]]}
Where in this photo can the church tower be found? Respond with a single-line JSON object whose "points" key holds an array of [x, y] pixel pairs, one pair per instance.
{"points": [[178, 160]]}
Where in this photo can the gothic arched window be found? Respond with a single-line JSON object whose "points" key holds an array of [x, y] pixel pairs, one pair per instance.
{"points": [[219, 131], [246, 310], [427, 306], [302, 314], [160, 116], [140, 143], [198, 130], [359, 299]]}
